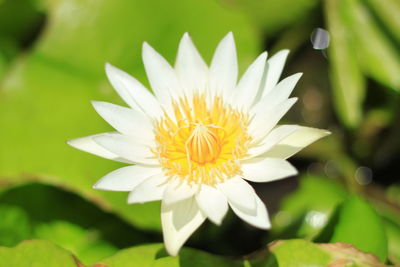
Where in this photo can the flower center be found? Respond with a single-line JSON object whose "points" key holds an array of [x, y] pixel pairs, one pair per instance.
{"points": [[203, 140], [203, 145]]}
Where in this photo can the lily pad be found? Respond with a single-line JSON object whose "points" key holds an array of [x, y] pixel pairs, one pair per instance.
{"points": [[283, 253], [361, 226], [85, 244], [14, 225], [60, 215], [36, 253], [300, 215]]}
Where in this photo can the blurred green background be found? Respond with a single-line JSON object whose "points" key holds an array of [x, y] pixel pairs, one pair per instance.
{"points": [[52, 55]]}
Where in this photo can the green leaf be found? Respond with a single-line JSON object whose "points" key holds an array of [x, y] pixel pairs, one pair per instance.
{"points": [[42, 252], [14, 225], [282, 253], [297, 252], [300, 215], [359, 225], [19, 20], [388, 12], [85, 244], [45, 98], [57, 204], [155, 255], [387, 206], [378, 57], [348, 83], [36, 253], [393, 235], [272, 16]]}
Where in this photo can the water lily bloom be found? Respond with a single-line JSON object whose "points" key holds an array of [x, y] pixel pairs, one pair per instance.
{"points": [[200, 137]]}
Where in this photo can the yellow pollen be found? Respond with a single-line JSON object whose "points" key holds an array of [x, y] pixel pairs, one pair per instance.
{"points": [[204, 141]]}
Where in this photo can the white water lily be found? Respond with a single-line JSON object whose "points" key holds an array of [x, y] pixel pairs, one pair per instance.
{"points": [[195, 142]]}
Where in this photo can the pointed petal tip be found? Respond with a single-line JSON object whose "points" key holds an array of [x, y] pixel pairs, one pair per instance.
{"points": [[146, 49], [228, 42], [283, 52], [259, 220], [179, 221], [263, 56], [216, 222], [172, 251], [298, 74], [100, 107], [186, 40], [97, 186], [110, 69], [96, 103], [70, 142], [75, 143], [112, 72], [230, 37], [267, 226]]}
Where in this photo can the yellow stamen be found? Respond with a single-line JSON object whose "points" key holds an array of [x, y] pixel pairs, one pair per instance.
{"points": [[204, 141]]}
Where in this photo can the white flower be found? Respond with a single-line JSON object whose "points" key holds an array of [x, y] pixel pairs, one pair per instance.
{"points": [[195, 142]]}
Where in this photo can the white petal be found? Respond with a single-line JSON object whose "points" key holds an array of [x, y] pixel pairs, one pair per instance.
{"points": [[127, 148], [267, 169], [277, 134], [133, 92], [178, 190], [274, 70], [280, 92], [249, 85], [151, 189], [179, 221], [295, 142], [212, 203], [258, 219], [126, 178], [161, 75], [190, 67], [224, 67], [239, 193], [126, 121], [264, 121], [88, 144]]}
